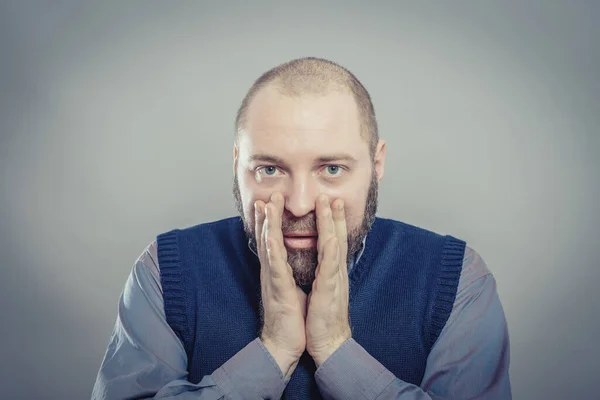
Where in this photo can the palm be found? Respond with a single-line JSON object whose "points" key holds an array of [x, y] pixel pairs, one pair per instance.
{"points": [[302, 300], [316, 327]]}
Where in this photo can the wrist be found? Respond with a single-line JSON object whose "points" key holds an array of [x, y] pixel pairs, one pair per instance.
{"points": [[287, 361], [324, 353]]}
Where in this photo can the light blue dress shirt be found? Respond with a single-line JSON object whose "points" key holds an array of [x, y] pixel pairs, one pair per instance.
{"points": [[146, 360]]}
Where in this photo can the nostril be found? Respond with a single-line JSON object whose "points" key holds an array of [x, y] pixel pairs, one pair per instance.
{"points": [[295, 210]]}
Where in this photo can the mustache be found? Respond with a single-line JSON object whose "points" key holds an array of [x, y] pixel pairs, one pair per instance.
{"points": [[307, 223]]}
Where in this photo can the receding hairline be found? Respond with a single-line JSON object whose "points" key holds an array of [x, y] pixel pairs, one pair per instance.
{"points": [[315, 76]]}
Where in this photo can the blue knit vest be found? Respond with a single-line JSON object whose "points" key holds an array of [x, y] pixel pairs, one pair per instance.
{"points": [[402, 291]]}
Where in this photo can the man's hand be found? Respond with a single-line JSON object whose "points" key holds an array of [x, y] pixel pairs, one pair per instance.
{"points": [[284, 303], [327, 321]]}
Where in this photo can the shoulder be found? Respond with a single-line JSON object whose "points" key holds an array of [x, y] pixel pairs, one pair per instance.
{"points": [[210, 225], [205, 234], [392, 226], [147, 262], [145, 269], [407, 237], [225, 225], [414, 235], [473, 266], [223, 236]]}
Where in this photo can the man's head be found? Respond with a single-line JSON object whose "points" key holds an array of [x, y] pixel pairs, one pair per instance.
{"points": [[308, 127]]}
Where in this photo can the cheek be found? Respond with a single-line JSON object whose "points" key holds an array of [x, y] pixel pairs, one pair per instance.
{"points": [[250, 191], [354, 216], [354, 204]]}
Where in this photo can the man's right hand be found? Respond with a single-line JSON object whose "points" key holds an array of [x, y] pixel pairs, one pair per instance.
{"points": [[283, 302]]}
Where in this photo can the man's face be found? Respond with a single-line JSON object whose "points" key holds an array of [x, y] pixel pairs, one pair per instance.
{"points": [[302, 147]]}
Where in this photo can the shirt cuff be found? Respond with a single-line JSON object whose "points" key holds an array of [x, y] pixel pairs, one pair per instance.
{"points": [[351, 370], [250, 374]]}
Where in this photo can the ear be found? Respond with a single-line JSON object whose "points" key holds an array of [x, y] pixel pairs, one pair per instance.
{"points": [[380, 159], [235, 158]]}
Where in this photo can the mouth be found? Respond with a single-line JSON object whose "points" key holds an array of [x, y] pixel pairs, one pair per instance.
{"points": [[300, 240]]}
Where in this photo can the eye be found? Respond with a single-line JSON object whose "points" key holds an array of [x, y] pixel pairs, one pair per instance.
{"points": [[333, 170], [268, 170]]}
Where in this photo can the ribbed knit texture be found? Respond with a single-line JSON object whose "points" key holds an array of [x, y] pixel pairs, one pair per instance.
{"points": [[401, 294]]}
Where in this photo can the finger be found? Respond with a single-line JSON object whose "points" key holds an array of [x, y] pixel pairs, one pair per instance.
{"points": [[261, 249], [275, 205], [272, 252], [278, 266], [276, 253], [277, 199], [325, 225], [339, 223], [329, 266], [259, 219]]}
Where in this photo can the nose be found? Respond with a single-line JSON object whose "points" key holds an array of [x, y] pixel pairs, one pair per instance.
{"points": [[300, 196]]}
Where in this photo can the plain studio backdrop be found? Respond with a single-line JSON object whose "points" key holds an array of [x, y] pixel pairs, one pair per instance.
{"points": [[117, 124]]}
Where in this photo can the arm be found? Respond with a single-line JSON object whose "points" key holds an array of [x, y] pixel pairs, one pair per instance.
{"points": [[469, 360], [145, 359]]}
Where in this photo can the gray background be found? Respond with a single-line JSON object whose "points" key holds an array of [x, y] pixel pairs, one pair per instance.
{"points": [[117, 119]]}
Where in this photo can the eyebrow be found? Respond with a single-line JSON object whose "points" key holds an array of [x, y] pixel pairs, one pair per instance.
{"points": [[337, 157], [266, 158], [322, 159]]}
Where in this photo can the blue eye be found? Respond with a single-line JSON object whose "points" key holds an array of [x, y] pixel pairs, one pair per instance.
{"points": [[333, 169], [270, 170]]}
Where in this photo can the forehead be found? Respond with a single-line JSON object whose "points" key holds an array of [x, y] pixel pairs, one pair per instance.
{"points": [[310, 125]]}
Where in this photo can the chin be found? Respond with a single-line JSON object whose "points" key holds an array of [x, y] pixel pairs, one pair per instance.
{"points": [[304, 264]]}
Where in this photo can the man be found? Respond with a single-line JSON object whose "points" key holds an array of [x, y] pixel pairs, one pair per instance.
{"points": [[308, 295]]}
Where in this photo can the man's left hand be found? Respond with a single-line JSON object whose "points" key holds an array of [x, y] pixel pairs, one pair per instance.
{"points": [[327, 321]]}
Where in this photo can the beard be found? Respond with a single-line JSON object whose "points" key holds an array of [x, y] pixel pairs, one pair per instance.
{"points": [[304, 261]]}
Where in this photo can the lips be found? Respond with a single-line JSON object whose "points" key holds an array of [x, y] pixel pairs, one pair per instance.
{"points": [[300, 235], [300, 240]]}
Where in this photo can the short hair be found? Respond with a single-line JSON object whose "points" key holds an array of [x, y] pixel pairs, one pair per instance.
{"points": [[311, 75]]}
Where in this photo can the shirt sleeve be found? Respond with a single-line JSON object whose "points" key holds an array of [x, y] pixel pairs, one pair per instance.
{"points": [[469, 360], [146, 360]]}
